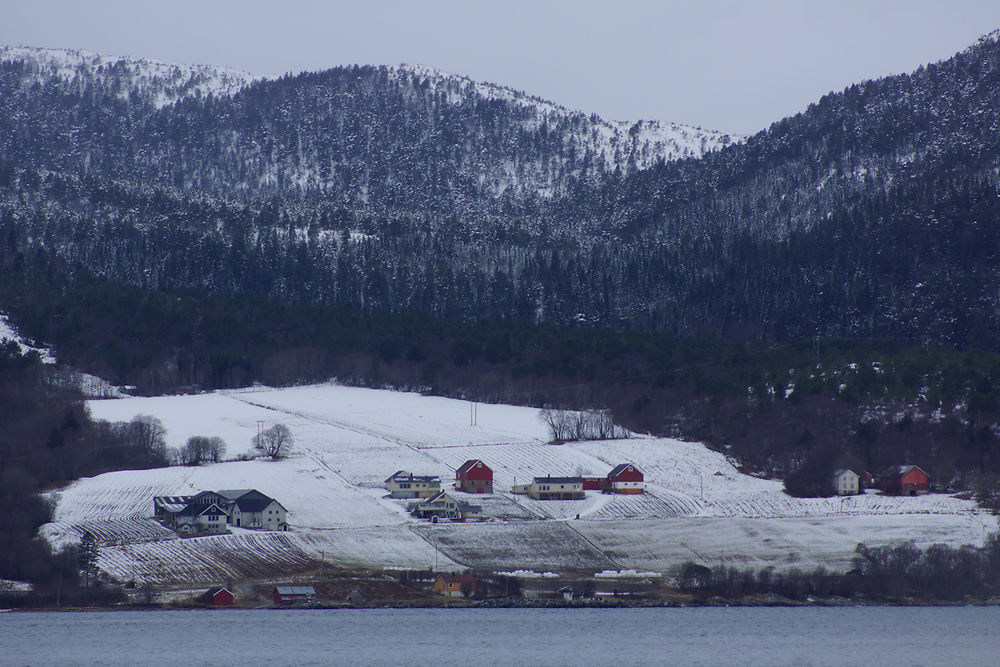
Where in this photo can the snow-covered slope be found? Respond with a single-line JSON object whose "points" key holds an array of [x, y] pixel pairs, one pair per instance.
{"points": [[630, 145], [8, 333], [348, 440], [165, 83]]}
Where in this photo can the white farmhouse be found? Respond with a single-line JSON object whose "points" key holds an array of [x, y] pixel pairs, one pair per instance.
{"points": [[846, 482], [250, 508]]}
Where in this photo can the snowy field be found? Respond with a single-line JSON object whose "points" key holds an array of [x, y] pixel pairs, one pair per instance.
{"points": [[348, 440]]}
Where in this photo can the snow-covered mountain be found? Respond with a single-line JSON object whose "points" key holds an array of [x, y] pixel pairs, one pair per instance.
{"points": [[387, 137], [161, 83], [870, 214]]}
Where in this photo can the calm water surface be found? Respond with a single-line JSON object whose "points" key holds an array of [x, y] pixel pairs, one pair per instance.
{"points": [[728, 636]]}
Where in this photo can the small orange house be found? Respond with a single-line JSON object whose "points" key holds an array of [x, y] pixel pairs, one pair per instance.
{"points": [[455, 585]]}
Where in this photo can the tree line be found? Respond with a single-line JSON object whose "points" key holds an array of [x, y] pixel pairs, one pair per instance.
{"points": [[891, 573]]}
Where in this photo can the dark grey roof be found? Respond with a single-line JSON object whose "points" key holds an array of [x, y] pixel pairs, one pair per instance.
{"points": [[233, 494], [253, 503], [197, 510], [619, 469], [404, 476], [558, 480]]}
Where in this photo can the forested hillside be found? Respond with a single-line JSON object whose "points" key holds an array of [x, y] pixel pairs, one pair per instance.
{"points": [[871, 214], [182, 229]]}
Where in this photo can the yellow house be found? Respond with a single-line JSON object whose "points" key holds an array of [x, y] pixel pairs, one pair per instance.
{"points": [[455, 585]]}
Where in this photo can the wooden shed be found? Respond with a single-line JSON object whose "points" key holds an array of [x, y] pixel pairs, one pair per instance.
{"points": [[293, 594], [217, 597], [455, 585]]}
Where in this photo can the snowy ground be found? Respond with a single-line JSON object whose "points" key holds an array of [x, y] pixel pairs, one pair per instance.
{"points": [[348, 440]]}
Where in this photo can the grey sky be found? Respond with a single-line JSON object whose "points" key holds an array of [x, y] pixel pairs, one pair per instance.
{"points": [[721, 64]]}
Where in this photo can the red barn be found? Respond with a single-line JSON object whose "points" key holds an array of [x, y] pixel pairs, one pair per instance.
{"points": [[474, 477], [626, 478], [217, 597], [594, 483], [909, 480]]}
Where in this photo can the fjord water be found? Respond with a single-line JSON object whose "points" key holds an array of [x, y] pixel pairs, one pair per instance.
{"points": [[695, 636]]}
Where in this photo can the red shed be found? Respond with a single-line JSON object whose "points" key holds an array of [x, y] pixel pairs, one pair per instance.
{"points": [[474, 476], [909, 480], [594, 483], [217, 597], [626, 478]]}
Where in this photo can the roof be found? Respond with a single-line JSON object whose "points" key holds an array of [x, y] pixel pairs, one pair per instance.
{"points": [[202, 496], [233, 494], [440, 495], [462, 507], [469, 465], [899, 471], [212, 592], [295, 590], [410, 477], [840, 471], [171, 503], [198, 510], [256, 504], [558, 480], [620, 468]]}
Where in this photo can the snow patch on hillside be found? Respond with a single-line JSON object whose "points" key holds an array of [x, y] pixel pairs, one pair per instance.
{"points": [[8, 332]]}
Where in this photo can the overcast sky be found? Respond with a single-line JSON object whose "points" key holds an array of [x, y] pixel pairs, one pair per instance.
{"points": [[721, 64]]}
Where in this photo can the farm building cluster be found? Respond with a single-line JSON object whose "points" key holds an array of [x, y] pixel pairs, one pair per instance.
{"points": [[624, 478], [475, 477], [212, 512], [907, 480]]}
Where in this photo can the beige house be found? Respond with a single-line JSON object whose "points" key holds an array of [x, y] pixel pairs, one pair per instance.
{"points": [[846, 482], [404, 484], [557, 488]]}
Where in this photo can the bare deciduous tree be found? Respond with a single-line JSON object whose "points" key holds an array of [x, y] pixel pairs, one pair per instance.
{"points": [[275, 442], [148, 435], [216, 448], [581, 425]]}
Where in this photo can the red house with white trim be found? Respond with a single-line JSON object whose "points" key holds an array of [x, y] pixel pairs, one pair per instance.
{"points": [[626, 478], [474, 476], [907, 480]]}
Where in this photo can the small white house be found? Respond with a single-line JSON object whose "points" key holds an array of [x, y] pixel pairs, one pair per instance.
{"points": [[846, 482], [255, 510]]}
